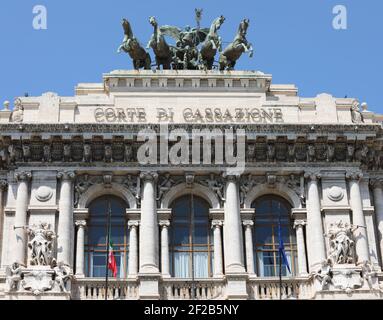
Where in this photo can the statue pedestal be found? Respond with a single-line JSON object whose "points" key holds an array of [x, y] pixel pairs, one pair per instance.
{"points": [[38, 283], [236, 286]]}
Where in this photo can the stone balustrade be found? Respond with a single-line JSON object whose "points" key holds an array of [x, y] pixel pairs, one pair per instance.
{"points": [[182, 289], [269, 288], [95, 289]]}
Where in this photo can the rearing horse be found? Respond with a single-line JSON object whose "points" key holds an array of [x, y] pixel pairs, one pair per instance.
{"points": [[212, 43], [130, 45], [234, 50], [160, 48]]}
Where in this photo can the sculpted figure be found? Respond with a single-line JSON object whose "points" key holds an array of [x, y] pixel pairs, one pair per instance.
{"points": [[130, 45], [356, 115], [212, 44], [350, 152], [250, 153], [368, 273], [245, 186], [81, 187], [128, 152], [324, 275], [108, 153], [311, 153], [166, 183], [291, 152], [67, 152], [41, 244], [62, 274], [215, 184], [13, 276], [87, 153], [271, 152], [160, 48], [47, 153], [331, 153], [133, 185], [26, 152], [18, 112], [234, 50], [12, 154], [341, 243]]}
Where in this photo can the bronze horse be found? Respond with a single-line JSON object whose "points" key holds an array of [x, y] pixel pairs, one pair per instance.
{"points": [[234, 50], [130, 45], [160, 48], [212, 44]]}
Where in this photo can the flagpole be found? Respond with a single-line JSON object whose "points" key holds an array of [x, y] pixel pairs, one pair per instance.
{"points": [[107, 252], [280, 253], [192, 244]]}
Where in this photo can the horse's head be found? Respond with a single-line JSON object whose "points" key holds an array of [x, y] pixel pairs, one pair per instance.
{"points": [[153, 21]]}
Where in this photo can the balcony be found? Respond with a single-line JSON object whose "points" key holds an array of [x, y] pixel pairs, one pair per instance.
{"points": [[186, 289]]}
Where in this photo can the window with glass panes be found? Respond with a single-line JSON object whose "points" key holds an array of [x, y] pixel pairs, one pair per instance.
{"points": [[269, 212], [191, 245], [95, 244]]}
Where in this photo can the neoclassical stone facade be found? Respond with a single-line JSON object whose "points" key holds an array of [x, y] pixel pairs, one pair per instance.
{"points": [[190, 228]]}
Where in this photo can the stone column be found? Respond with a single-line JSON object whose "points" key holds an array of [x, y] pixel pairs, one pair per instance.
{"points": [[164, 225], [377, 188], [149, 225], [65, 224], [218, 266], [3, 188], [133, 248], [249, 246], [233, 238], [20, 227], [314, 230], [80, 247], [302, 265], [360, 234]]}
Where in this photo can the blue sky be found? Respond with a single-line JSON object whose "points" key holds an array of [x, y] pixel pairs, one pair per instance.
{"points": [[294, 40]]}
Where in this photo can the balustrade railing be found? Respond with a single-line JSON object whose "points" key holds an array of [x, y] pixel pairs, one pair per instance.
{"points": [[95, 289], [270, 288], [186, 289]]}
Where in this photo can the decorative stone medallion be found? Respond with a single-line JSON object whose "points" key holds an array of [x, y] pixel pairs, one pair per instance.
{"points": [[335, 193], [44, 194]]}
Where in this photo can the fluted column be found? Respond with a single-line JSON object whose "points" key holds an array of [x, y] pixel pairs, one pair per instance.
{"points": [[149, 225], [249, 246], [65, 224], [314, 230], [377, 188], [80, 266], [218, 266], [3, 188], [164, 225], [20, 234], [301, 248], [133, 248], [360, 234], [233, 238]]}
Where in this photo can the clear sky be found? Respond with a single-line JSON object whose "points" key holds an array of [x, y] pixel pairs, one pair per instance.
{"points": [[294, 40]]}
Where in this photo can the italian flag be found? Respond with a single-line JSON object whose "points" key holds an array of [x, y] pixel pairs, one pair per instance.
{"points": [[112, 265]]}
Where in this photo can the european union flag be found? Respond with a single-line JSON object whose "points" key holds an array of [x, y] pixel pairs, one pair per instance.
{"points": [[281, 248]]}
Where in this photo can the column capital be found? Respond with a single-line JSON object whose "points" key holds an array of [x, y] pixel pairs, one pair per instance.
{"points": [[354, 175], [376, 183], [164, 223], [24, 176], [230, 177], [216, 223], [80, 223], [3, 185], [299, 223], [133, 223], [149, 176], [248, 223], [66, 175], [313, 176]]}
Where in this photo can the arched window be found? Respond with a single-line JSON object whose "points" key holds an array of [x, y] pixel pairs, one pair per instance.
{"points": [[190, 238], [270, 211], [96, 246]]}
